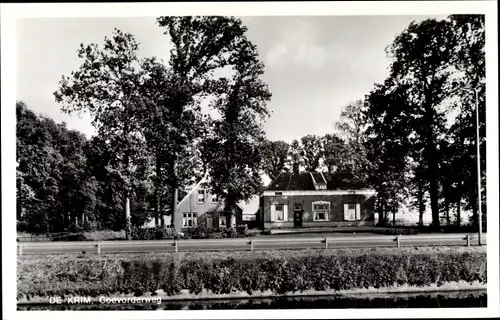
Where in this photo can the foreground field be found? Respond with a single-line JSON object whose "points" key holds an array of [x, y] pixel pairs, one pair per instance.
{"points": [[225, 272]]}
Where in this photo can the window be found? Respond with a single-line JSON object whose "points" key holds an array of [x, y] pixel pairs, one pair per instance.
{"points": [[201, 196], [215, 198], [210, 224], [189, 219], [249, 217], [279, 212], [222, 220], [352, 211], [321, 210]]}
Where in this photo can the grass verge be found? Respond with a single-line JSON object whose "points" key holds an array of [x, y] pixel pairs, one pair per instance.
{"points": [[225, 272]]}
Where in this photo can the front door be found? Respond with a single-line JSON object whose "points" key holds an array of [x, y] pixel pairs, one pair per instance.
{"points": [[297, 216]]}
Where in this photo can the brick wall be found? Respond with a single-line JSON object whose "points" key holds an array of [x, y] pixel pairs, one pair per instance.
{"points": [[336, 215]]}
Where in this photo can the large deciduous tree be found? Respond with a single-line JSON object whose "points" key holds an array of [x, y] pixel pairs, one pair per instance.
{"points": [[468, 58], [334, 156], [55, 188], [233, 150], [107, 85], [351, 127], [421, 56], [202, 46], [311, 152]]}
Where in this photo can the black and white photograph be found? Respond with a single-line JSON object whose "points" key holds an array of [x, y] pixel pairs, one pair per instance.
{"points": [[259, 159]]}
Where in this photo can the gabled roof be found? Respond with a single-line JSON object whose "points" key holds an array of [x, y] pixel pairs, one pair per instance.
{"points": [[202, 180], [304, 181], [247, 207]]}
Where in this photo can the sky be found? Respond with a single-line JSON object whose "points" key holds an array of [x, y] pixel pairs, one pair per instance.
{"points": [[314, 65]]}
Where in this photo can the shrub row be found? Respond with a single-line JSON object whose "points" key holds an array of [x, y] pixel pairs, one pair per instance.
{"points": [[278, 274], [138, 233], [200, 232], [156, 233], [396, 231], [409, 230]]}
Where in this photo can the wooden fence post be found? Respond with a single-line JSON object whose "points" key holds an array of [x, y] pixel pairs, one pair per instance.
{"points": [[468, 240], [176, 246], [98, 247], [397, 242], [251, 245], [326, 243]]}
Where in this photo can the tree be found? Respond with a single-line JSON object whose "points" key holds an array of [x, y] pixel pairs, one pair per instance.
{"points": [[421, 56], [55, 188], [107, 86], [295, 158], [468, 58], [201, 46], [311, 152], [275, 158], [352, 127], [334, 153], [386, 145], [233, 151]]}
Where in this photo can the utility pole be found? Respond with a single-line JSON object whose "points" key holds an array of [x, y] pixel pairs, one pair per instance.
{"points": [[480, 215]]}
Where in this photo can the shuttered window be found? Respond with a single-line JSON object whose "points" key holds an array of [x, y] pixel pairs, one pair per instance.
{"points": [[279, 213], [352, 211]]}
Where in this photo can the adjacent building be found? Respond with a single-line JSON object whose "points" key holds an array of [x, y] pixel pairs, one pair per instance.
{"points": [[201, 207], [315, 199]]}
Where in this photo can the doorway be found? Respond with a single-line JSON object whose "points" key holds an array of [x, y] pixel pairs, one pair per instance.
{"points": [[297, 215]]}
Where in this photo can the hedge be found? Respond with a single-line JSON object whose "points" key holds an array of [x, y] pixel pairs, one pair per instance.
{"points": [[200, 232], [411, 230], [280, 274]]}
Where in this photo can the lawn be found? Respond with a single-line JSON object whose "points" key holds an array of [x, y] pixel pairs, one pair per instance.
{"points": [[210, 255]]}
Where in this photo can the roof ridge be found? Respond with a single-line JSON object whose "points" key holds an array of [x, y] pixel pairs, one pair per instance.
{"points": [[202, 180]]}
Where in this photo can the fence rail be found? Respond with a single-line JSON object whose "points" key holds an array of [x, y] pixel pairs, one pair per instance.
{"points": [[100, 247]]}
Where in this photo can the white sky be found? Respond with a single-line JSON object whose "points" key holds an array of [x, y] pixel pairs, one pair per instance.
{"points": [[315, 65]]}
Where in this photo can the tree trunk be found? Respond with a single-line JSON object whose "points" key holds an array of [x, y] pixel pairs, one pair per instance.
{"points": [[393, 217], [459, 210], [474, 214], [431, 155], [384, 212], [176, 220], [421, 204], [230, 209], [157, 190], [434, 195], [127, 218], [447, 210]]}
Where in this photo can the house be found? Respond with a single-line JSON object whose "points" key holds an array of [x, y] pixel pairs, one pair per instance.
{"points": [[200, 207], [311, 199]]}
